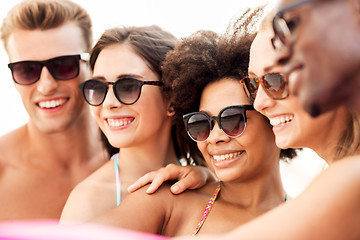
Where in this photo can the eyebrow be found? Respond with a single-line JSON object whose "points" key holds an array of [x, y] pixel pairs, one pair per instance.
{"points": [[252, 73], [268, 69]]}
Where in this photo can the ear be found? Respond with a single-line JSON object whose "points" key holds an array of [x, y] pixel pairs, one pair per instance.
{"points": [[170, 112]]}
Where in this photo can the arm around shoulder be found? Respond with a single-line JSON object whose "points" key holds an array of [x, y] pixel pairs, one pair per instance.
{"points": [[328, 209]]}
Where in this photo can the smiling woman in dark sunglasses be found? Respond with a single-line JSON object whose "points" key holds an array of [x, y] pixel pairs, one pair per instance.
{"points": [[237, 143], [329, 207], [129, 103]]}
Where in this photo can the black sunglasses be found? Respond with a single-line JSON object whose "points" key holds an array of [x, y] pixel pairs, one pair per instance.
{"points": [[274, 84], [283, 28], [127, 90], [61, 68], [232, 120]]}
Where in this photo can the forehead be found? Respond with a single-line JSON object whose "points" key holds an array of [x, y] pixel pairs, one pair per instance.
{"points": [[286, 3], [121, 59], [262, 54], [223, 93], [44, 44]]}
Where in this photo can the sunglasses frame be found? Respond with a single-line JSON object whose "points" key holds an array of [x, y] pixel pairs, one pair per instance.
{"points": [[217, 119], [261, 80], [279, 20], [46, 63], [140, 83]]}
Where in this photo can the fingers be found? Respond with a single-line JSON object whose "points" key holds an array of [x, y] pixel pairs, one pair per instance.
{"points": [[191, 180], [190, 177], [156, 178], [147, 178]]}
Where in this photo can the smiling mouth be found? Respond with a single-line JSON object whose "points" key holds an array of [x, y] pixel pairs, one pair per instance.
{"points": [[227, 156], [51, 104], [282, 120], [118, 122]]}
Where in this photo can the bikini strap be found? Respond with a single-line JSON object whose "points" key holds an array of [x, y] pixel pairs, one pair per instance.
{"points": [[117, 179], [207, 210]]}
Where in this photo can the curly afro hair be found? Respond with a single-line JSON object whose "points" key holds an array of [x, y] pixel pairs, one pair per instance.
{"points": [[202, 58]]}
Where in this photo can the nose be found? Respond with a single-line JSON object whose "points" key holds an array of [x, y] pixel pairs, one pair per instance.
{"points": [[46, 85], [217, 135], [263, 101], [110, 100]]}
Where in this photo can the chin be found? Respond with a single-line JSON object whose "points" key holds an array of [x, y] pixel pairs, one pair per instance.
{"points": [[283, 144]]}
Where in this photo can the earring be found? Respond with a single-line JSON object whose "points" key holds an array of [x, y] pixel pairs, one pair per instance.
{"points": [[171, 111]]}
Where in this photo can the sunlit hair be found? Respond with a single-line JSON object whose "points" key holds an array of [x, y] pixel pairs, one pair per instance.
{"points": [[349, 142], [206, 57], [45, 15], [149, 42]]}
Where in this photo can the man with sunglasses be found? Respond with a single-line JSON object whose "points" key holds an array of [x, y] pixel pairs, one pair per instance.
{"points": [[41, 162], [318, 44]]}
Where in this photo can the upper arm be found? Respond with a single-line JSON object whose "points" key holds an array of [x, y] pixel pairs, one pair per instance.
{"points": [[141, 212], [88, 200], [328, 209]]}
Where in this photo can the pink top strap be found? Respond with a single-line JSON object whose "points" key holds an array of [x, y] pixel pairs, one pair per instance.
{"points": [[207, 210]]}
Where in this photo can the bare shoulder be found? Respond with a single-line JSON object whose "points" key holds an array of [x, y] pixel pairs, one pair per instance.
{"points": [[141, 211], [343, 177], [92, 197], [328, 209], [12, 146], [161, 212]]}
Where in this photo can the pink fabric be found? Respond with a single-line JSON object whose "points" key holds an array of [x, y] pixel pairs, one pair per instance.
{"points": [[50, 230]]}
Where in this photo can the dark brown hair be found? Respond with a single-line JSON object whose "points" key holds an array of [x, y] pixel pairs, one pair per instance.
{"points": [[152, 44]]}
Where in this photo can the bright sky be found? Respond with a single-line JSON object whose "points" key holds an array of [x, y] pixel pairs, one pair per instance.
{"points": [[178, 17]]}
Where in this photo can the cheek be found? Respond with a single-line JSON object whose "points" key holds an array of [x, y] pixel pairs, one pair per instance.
{"points": [[202, 147], [260, 136], [152, 105], [25, 93], [97, 113]]}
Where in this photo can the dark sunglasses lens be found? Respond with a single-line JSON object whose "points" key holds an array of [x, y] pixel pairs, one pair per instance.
{"points": [[198, 127], [127, 90], [64, 68], [252, 86], [275, 85], [94, 92], [26, 73], [232, 121]]}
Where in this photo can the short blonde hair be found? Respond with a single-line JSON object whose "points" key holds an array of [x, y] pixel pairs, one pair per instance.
{"points": [[45, 15]]}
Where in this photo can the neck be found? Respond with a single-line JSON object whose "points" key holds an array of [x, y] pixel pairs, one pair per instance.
{"points": [[326, 144], [148, 156], [76, 144], [258, 195]]}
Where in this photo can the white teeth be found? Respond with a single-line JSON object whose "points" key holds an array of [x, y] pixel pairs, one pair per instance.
{"points": [[226, 156], [117, 122], [281, 120], [52, 103]]}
